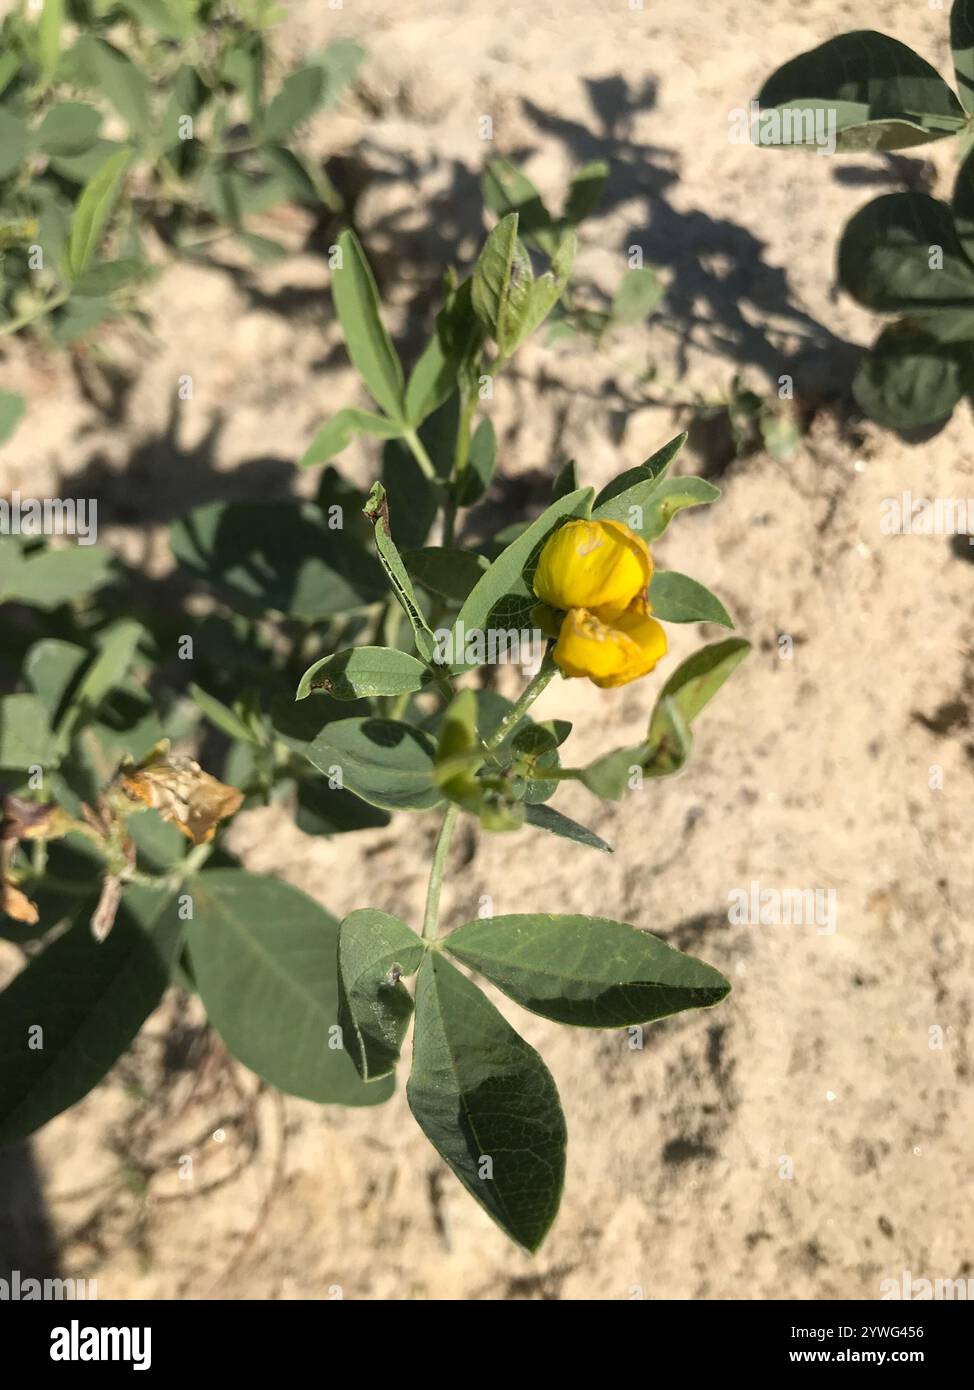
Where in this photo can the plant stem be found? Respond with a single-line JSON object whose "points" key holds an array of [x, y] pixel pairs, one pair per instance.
{"points": [[418, 450], [437, 867], [38, 312], [527, 698]]}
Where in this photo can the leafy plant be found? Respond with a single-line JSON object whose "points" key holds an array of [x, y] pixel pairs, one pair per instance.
{"points": [[907, 255], [507, 189], [381, 617], [165, 117]]}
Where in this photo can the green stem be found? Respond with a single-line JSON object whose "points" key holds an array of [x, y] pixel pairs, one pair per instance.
{"points": [[437, 868], [418, 450], [49, 305], [527, 698]]}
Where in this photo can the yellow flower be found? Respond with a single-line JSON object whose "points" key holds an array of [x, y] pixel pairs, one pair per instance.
{"points": [[610, 649], [593, 564], [600, 571]]}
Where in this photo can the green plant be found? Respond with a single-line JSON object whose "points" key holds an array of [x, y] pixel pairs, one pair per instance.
{"points": [[904, 254], [507, 189], [120, 118], [395, 714]]}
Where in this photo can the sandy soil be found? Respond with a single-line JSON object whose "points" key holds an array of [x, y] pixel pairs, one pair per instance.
{"points": [[812, 771]]}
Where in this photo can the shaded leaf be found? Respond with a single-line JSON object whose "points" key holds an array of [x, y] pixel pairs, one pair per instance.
{"points": [[374, 951], [265, 960], [384, 761], [479, 1092], [90, 999]]}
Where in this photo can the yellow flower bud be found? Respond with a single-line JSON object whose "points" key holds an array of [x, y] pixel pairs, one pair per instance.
{"points": [[593, 564], [610, 649]]}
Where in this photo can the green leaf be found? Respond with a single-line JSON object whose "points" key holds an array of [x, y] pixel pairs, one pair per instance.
{"points": [[124, 85], [362, 672], [374, 952], [52, 577], [222, 716], [450, 574], [885, 256], [585, 191], [340, 62], [962, 204], [635, 484], [51, 668], [547, 818], [586, 971], [93, 210], [49, 28], [265, 960], [637, 295], [505, 190], [385, 762], [669, 742], [299, 97], [910, 379], [459, 753], [324, 810], [377, 510], [12, 408], [68, 128], [80, 167], [341, 429], [111, 276], [670, 496], [503, 598], [491, 290], [479, 1092], [566, 481], [25, 734], [279, 555], [90, 999], [173, 19], [880, 94], [431, 381], [544, 293], [13, 143], [962, 46], [476, 477], [696, 681], [412, 499], [463, 337], [117, 648], [369, 345], [677, 599]]}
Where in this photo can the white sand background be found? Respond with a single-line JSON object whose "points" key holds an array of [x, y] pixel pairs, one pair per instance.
{"points": [[810, 772]]}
